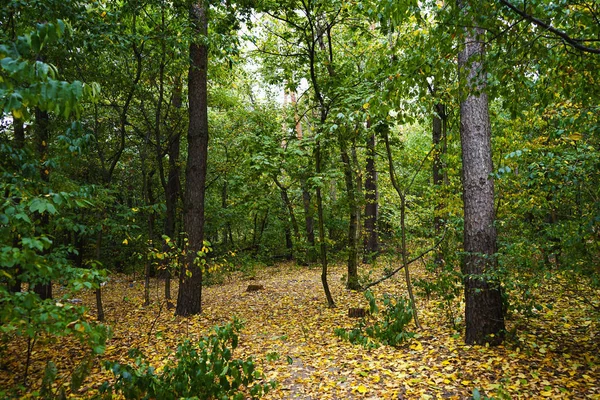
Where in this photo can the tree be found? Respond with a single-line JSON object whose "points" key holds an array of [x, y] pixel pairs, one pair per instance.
{"points": [[371, 240], [189, 299], [484, 315]]}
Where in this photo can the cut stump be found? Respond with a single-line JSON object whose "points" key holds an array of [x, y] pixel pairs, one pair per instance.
{"points": [[357, 312], [254, 288]]}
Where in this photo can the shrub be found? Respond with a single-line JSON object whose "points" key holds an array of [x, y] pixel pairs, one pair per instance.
{"points": [[389, 330], [202, 370]]}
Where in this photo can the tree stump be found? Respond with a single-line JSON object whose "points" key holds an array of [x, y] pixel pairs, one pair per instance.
{"points": [[357, 312], [254, 288]]}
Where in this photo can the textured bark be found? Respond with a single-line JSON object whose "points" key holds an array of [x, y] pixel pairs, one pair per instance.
{"points": [[371, 242], [483, 314], [189, 300], [352, 244]]}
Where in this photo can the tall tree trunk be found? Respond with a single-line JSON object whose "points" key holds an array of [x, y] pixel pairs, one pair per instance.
{"points": [[148, 265], [172, 190], [42, 131], [352, 282], [484, 315], [402, 195], [19, 143], [439, 143], [359, 195], [322, 243], [189, 300], [371, 203]]}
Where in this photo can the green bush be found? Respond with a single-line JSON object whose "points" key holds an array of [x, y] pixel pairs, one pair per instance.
{"points": [[202, 370], [389, 330]]}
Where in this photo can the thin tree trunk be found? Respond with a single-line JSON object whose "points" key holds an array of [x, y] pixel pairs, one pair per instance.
{"points": [[322, 243], [309, 223], [371, 203], [19, 144], [405, 261], [100, 317], [484, 315], [148, 266], [439, 143], [172, 191], [42, 130], [359, 195], [189, 300], [352, 282]]}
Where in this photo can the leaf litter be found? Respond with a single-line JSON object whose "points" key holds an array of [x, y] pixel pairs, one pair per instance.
{"points": [[554, 354]]}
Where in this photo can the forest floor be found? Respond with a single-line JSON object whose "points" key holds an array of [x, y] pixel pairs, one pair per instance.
{"points": [[553, 354]]}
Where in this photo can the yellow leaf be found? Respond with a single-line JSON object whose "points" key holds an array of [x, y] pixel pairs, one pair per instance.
{"points": [[417, 346], [575, 136], [366, 106], [125, 241], [547, 393], [362, 389], [17, 113]]}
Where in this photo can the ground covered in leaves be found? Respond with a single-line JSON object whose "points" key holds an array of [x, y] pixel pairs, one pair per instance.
{"points": [[553, 353]]}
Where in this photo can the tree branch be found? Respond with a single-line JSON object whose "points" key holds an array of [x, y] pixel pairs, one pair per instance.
{"points": [[575, 43], [394, 272]]}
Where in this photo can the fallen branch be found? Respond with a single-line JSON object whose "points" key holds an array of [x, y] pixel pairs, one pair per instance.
{"points": [[394, 272]]}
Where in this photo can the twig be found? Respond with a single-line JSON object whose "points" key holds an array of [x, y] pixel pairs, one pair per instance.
{"points": [[394, 272], [155, 320]]}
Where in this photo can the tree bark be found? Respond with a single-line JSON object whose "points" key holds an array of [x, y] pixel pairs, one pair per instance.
{"points": [[483, 314], [322, 243], [371, 241], [352, 282], [439, 143], [189, 300], [172, 196]]}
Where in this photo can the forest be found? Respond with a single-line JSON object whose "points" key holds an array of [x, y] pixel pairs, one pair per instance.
{"points": [[307, 199]]}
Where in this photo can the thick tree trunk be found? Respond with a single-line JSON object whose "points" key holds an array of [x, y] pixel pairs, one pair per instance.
{"points": [[371, 204], [352, 282], [483, 314], [189, 300]]}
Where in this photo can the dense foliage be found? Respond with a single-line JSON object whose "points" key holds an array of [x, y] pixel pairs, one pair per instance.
{"points": [[334, 136]]}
